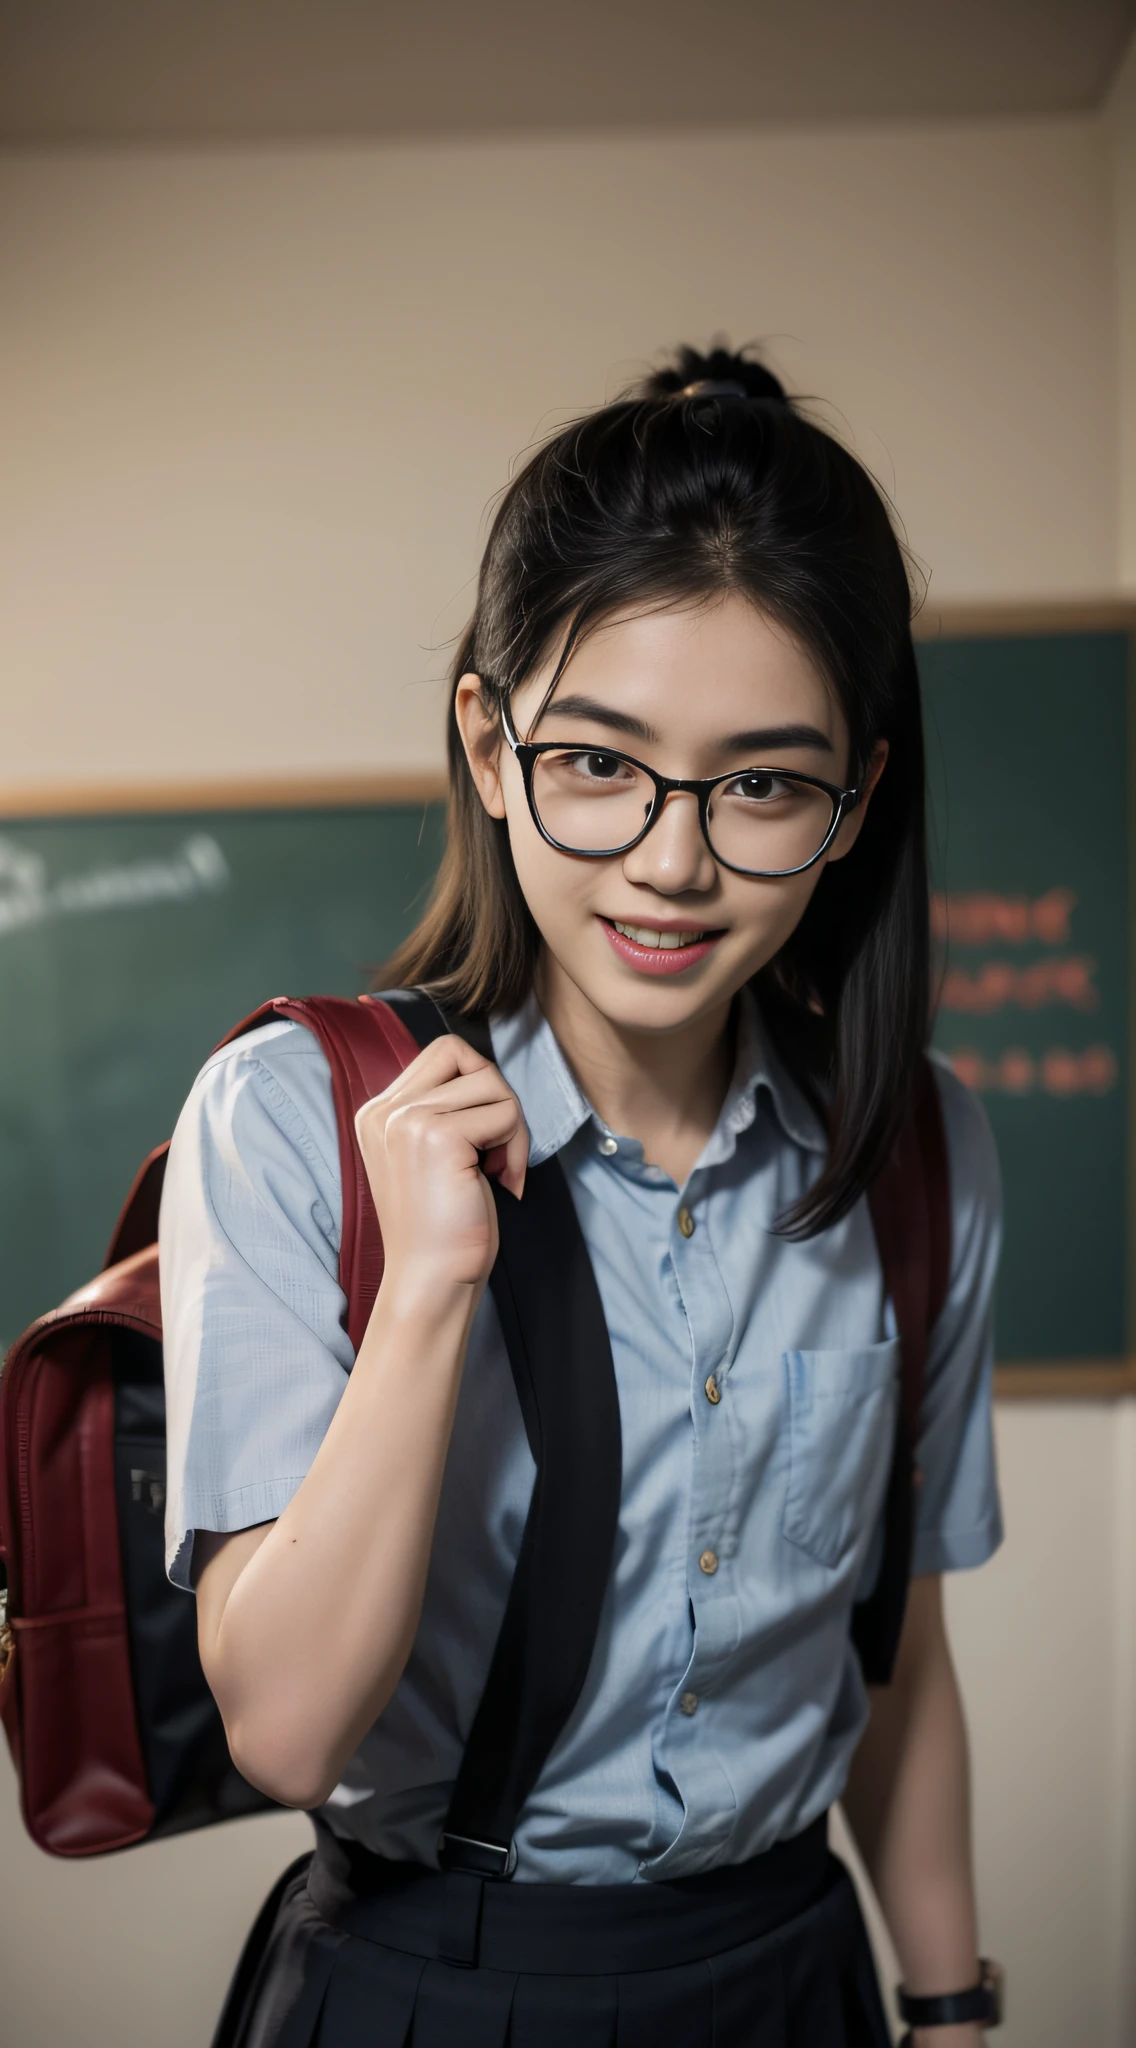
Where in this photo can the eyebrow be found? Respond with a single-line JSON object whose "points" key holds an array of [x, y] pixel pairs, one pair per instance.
{"points": [[761, 739]]}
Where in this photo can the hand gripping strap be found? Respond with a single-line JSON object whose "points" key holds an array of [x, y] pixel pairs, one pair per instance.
{"points": [[909, 1202], [557, 1339]]}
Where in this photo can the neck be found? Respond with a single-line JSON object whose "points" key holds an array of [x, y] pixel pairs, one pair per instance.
{"points": [[664, 1088]]}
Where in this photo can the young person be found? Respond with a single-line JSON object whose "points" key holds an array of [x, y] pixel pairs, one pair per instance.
{"points": [[685, 883]]}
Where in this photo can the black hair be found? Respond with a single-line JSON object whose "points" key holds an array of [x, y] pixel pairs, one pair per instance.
{"points": [[703, 480]]}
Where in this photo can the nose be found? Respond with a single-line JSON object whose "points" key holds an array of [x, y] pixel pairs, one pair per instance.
{"points": [[674, 855]]}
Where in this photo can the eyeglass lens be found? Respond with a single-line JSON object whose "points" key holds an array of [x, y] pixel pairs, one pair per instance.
{"points": [[763, 820]]}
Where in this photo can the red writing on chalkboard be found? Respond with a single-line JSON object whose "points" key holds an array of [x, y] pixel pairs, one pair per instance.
{"points": [[984, 919], [1056, 1072], [1069, 980]]}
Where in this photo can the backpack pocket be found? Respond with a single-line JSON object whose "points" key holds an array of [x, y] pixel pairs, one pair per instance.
{"points": [[842, 1407]]}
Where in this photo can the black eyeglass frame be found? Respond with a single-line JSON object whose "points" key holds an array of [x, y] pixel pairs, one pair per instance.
{"points": [[529, 751]]}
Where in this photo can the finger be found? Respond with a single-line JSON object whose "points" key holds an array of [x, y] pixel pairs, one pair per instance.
{"points": [[439, 1061], [467, 1091], [453, 1098], [494, 1162], [508, 1163], [458, 1077], [481, 1126]]}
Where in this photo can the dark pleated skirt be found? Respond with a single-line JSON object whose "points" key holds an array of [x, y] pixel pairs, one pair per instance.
{"points": [[352, 1951]]}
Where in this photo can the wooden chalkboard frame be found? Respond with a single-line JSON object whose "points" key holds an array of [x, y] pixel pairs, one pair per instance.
{"points": [[1094, 1379]]}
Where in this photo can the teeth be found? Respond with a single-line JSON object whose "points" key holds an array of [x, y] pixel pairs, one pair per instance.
{"points": [[666, 942]]}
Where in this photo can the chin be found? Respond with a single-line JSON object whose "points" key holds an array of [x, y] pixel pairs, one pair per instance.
{"points": [[654, 1006]]}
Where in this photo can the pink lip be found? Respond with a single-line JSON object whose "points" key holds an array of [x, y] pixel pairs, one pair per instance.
{"points": [[653, 959]]}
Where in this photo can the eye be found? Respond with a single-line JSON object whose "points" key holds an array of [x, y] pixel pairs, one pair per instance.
{"points": [[762, 786], [590, 767]]}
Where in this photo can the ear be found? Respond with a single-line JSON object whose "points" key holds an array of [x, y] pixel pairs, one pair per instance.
{"points": [[482, 739], [850, 829]]}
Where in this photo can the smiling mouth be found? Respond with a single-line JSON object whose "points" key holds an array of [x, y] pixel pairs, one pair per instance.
{"points": [[649, 936]]}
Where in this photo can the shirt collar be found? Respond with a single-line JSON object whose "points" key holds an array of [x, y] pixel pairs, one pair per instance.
{"points": [[555, 1107]]}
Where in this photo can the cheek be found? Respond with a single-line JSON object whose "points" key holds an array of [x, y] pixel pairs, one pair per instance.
{"points": [[551, 882], [798, 895], [770, 915]]}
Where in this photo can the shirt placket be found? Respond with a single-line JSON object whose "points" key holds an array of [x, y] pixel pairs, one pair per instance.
{"points": [[686, 1743]]}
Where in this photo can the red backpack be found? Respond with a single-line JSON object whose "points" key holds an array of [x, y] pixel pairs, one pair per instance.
{"points": [[113, 1731]]}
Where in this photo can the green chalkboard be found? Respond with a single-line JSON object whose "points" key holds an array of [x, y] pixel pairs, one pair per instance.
{"points": [[128, 945], [1028, 748]]}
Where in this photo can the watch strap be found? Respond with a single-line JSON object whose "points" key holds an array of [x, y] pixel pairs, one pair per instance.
{"points": [[980, 2004]]}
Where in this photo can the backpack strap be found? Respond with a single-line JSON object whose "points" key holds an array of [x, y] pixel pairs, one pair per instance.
{"points": [[909, 1201], [366, 1047], [559, 1351], [137, 1225]]}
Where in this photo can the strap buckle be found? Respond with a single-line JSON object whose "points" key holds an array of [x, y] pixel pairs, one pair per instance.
{"points": [[481, 1859]]}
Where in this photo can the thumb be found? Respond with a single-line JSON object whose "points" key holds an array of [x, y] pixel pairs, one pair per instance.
{"points": [[496, 1164]]}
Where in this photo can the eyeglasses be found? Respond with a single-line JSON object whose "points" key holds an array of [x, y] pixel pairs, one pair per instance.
{"points": [[756, 821]]}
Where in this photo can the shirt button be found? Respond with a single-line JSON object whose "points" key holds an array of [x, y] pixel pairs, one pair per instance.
{"points": [[708, 1562], [608, 1146], [688, 1702], [713, 1391], [686, 1222]]}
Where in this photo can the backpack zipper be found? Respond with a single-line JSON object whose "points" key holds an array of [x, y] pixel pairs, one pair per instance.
{"points": [[23, 1509], [7, 1638], [23, 1491]]}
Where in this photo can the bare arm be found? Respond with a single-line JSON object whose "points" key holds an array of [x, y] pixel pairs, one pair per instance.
{"points": [[305, 1624], [908, 1804]]}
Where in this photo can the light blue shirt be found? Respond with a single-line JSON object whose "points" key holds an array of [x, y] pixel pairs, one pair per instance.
{"points": [[724, 1700]]}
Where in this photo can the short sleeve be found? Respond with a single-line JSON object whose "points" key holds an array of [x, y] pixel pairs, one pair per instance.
{"points": [[256, 1356], [958, 1519]]}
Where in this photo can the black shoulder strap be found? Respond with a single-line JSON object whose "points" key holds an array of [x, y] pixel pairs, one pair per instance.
{"points": [[909, 1202], [560, 1354]]}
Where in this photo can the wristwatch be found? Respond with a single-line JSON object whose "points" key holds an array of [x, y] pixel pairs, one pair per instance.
{"points": [[982, 2005]]}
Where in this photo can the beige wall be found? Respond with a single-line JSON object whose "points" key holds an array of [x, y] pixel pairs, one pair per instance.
{"points": [[1043, 1670], [252, 407], [254, 404]]}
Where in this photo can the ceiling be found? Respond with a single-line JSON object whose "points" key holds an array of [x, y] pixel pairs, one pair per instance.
{"points": [[112, 71]]}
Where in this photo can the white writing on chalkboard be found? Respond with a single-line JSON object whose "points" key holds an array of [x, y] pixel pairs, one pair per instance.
{"points": [[27, 897]]}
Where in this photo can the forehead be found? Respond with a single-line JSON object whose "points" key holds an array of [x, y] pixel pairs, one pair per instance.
{"points": [[695, 669]]}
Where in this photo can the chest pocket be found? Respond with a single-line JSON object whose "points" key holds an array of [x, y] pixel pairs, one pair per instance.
{"points": [[842, 1407]]}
